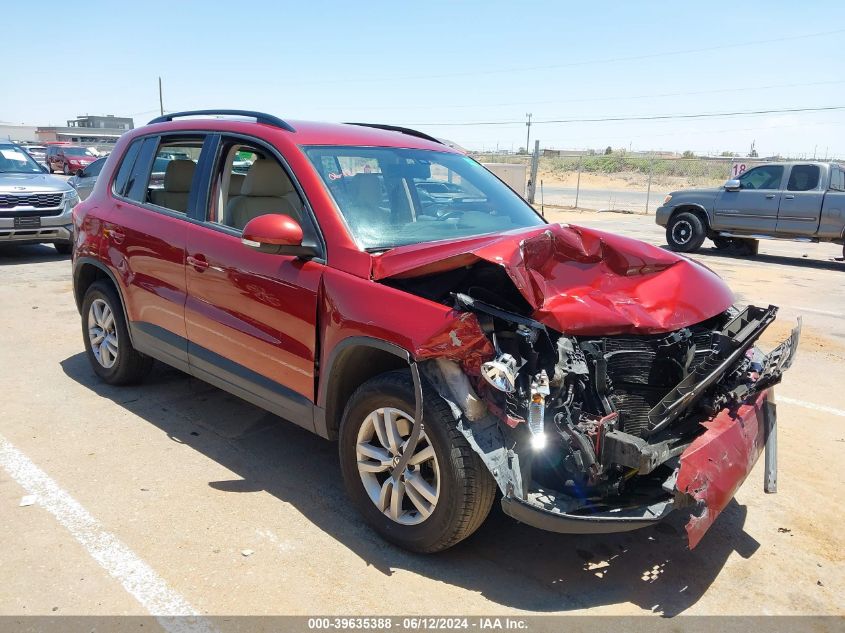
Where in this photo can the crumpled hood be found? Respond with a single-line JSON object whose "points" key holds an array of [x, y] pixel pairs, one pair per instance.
{"points": [[579, 280]]}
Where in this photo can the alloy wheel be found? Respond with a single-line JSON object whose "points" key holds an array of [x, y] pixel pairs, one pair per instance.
{"points": [[410, 498], [682, 232], [102, 333]]}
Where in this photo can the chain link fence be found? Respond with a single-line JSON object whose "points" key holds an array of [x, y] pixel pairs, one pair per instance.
{"points": [[621, 182]]}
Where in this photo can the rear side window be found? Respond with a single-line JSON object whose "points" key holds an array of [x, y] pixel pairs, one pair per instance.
{"points": [[803, 178], [94, 168], [837, 179], [126, 165]]}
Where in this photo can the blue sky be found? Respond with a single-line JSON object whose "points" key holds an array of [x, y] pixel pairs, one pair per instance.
{"points": [[429, 63]]}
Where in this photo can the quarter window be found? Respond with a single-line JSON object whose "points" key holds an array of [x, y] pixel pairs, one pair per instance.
{"points": [[803, 178], [126, 165], [765, 177], [837, 179]]}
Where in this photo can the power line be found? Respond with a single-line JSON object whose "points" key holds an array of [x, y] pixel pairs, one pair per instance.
{"points": [[587, 62], [615, 97], [652, 117]]}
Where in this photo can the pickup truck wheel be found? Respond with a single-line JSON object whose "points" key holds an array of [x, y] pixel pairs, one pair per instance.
{"points": [[443, 495], [722, 243], [106, 337], [685, 232]]}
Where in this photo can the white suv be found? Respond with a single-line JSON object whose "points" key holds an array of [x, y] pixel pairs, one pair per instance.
{"points": [[35, 207]]}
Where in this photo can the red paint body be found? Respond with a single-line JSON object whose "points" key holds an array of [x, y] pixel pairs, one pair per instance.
{"points": [[281, 317]]}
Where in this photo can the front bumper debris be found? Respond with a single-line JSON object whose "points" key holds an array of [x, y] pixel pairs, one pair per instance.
{"points": [[718, 461]]}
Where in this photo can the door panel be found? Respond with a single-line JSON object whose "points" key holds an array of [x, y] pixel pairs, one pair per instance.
{"points": [[147, 251], [251, 320], [801, 203], [754, 208]]}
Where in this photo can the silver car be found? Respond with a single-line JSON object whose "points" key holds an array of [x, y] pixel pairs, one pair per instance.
{"points": [[84, 179], [35, 207]]}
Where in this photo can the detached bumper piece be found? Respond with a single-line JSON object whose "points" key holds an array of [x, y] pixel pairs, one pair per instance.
{"points": [[717, 462]]}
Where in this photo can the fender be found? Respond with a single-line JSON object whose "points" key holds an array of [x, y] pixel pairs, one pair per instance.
{"points": [[322, 425], [77, 267]]}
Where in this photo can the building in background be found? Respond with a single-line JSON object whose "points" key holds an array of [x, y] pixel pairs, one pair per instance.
{"points": [[18, 133], [87, 130]]}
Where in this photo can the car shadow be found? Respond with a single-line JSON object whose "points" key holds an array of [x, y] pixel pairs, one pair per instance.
{"points": [[837, 264], [14, 255], [511, 564]]}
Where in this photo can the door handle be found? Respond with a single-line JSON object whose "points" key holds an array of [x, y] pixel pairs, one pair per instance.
{"points": [[769, 196], [789, 196], [198, 263]]}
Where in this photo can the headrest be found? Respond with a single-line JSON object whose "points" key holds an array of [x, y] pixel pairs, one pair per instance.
{"points": [[178, 175], [266, 178]]}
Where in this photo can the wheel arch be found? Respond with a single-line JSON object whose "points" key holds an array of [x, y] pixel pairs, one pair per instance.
{"points": [[696, 209], [351, 363], [86, 271]]}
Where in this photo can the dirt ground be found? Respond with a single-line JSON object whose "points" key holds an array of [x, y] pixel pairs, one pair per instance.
{"points": [[238, 512], [633, 181]]}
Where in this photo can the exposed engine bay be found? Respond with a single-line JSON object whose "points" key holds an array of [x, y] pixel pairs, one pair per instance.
{"points": [[591, 428]]}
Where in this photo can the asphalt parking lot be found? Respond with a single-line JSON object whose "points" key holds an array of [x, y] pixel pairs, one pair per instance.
{"points": [[175, 497]]}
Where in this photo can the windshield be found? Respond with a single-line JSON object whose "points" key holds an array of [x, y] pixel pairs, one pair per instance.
{"points": [[391, 197], [13, 160], [77, 151]]}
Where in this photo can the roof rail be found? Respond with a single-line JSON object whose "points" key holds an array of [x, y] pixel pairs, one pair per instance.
{"points": [[401, 130], [260, 117]]}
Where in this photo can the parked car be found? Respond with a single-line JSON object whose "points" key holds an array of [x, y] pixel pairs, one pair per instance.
{"points": [[38, 153], [83, 181], [68, 158], [599, 382], [798, 201], [34, 206]]}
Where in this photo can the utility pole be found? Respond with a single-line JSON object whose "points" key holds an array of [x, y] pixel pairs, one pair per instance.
{"points": [[528, 138], [160, 100]]}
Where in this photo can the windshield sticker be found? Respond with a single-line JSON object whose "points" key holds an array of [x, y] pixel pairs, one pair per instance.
{"points": [[334, 176], [13, 154]]}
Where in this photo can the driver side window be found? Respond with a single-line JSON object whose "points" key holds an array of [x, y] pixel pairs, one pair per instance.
{"points": [[248, 181], [765, 177]]}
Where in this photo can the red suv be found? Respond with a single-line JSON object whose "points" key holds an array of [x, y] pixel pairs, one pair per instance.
{"points": [[452, 345], [68, 159]]}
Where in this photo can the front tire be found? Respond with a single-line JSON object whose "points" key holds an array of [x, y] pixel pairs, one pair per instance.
{"points": [[685, 232], [106, 337], [445, 493]]}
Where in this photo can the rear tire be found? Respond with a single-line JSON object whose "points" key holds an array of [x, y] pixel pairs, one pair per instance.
{"points": [[106, 337], [722, 243], [685, 232], [463, 486]]}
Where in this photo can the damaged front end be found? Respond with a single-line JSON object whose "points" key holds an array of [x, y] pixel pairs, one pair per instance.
{"points": [[595, 433]]}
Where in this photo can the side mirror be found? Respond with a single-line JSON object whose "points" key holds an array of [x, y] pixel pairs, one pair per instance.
{"points": [[80, 173], [276, 234], [732, 185]]}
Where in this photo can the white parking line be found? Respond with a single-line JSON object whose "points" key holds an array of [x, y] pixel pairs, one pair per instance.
{"points": [[136, 576], [811, 405], [830, 313]]}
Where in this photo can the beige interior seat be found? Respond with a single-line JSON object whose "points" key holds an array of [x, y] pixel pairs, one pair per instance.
{"points": [[177, 184], [366, 189], [266, 189], [236, 183]]}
